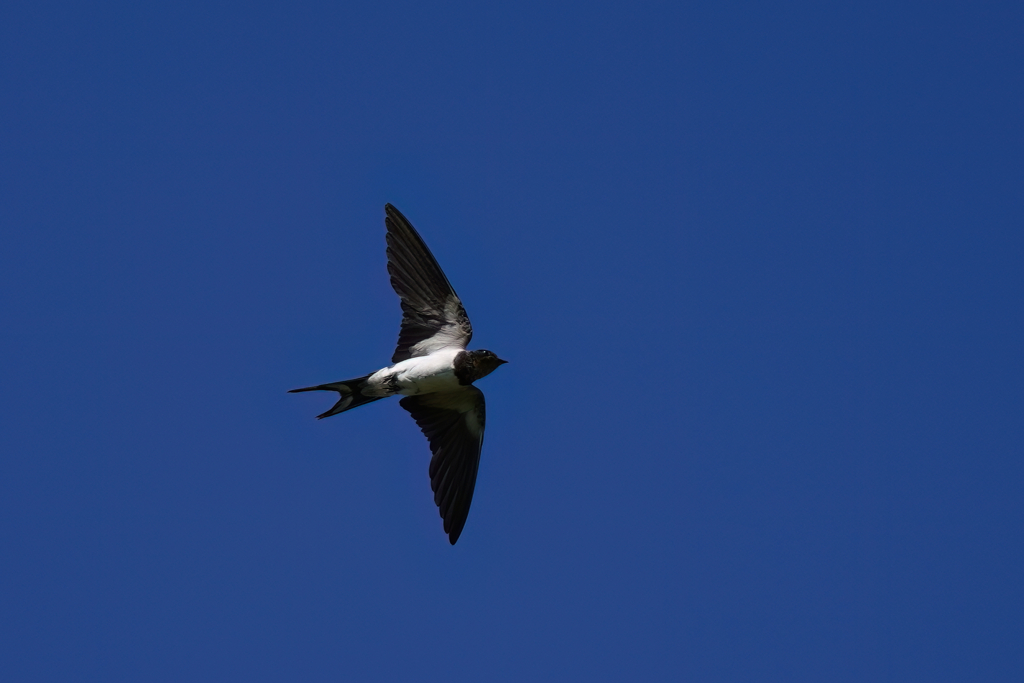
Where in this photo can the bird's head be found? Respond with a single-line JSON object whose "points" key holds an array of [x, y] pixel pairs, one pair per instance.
{"points": [[485, 362]]}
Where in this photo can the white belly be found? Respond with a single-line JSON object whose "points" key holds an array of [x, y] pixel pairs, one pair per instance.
{"points": [[422, 375]]}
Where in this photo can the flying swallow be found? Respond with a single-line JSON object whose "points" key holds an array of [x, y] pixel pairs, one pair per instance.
{"points": [[432, 370]]}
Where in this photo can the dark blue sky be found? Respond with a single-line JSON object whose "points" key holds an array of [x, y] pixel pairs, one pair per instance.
{"points": [[757, 269]]}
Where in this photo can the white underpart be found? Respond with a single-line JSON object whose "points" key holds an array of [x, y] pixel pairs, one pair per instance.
{"points": [[420, 375]]}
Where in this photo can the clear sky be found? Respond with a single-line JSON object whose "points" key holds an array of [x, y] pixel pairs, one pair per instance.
{"points": [[757, 269]]}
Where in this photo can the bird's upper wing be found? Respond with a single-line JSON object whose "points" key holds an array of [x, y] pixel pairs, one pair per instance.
{"points": [[453, 422], [432, 314]]}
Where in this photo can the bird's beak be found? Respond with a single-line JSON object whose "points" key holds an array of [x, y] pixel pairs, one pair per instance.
{"points": [[500, 361]]}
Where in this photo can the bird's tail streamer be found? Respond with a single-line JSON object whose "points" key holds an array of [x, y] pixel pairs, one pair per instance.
{"points": [[350, 391]]}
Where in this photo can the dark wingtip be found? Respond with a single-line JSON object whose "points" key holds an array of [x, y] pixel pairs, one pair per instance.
{"points": [[455, 533], [396, 215]]}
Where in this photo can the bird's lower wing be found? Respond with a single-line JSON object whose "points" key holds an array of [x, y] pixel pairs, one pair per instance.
{"points": [[453, 423]]}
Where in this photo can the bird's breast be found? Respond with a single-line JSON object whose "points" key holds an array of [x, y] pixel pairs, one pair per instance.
{"points": [[426, 374]]}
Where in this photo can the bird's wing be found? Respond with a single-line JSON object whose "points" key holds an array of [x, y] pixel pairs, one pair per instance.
{"points": [[432, 314], [453, 422]]}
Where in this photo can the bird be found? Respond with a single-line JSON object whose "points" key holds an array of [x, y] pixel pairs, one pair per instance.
{"points": [[432, 370]]}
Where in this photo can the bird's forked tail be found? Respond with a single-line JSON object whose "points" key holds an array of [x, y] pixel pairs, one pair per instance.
{"points": [[350, 391]]}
